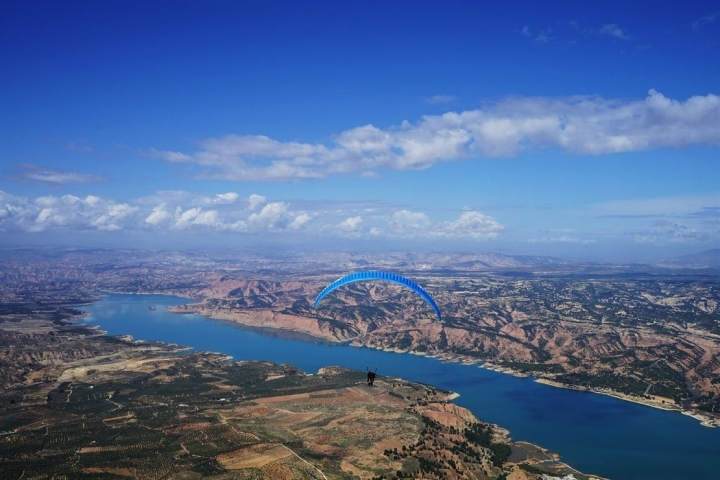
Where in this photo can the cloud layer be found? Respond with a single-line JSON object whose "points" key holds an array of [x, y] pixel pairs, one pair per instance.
{"points": [[579, 125], [182, 212], [660, 221]]}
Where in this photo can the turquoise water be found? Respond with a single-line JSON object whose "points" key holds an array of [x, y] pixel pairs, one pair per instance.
{"points": [[593, 433]]}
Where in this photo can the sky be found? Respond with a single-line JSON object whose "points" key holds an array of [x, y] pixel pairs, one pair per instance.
{"points": [[585, 130]]}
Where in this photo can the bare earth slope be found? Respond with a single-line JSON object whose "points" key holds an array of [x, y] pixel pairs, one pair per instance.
{"points": [[656, 342]]}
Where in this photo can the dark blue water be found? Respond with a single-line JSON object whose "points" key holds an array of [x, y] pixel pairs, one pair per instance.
{"points": [[593, 433]]}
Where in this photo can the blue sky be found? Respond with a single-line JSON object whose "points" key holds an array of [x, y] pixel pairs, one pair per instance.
{"points": [[580, 129]]}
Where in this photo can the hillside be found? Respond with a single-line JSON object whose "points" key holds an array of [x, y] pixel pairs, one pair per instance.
{"points": [[79, 404]]}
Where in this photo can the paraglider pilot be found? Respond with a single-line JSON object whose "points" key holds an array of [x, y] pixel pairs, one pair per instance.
{"points": [[370, 376]]}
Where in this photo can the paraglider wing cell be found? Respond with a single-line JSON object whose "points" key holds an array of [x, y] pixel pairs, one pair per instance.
{"points": [[375, 275]]}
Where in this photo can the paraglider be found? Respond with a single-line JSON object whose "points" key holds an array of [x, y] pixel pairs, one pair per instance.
{"points": [[376, 275], [371, 376]]}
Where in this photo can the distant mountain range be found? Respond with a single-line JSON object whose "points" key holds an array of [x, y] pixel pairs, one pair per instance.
{"points": [[707, 259], [326, 262]]}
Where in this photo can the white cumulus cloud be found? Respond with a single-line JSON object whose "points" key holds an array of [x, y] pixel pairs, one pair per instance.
{"points": [[407, 222], [300, 221], [113, 217], [220, 198], [351, 224], [273, 215], [71, 212], [471, 224], [158, 215], [579, 125], [255, 200]]}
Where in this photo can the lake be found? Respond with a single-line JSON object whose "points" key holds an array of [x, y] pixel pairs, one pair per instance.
{"points": [[593, 433]]}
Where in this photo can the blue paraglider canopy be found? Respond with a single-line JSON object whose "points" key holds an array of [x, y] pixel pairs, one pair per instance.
{"points": [[376, 275]]}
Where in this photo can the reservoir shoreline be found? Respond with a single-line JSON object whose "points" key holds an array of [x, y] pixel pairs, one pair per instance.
{"points": [[593, 433], [654, 402]]}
